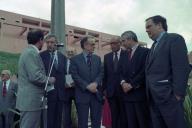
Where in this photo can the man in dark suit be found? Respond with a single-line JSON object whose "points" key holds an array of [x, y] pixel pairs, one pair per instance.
{"points": [[167, 70], [8, 90], [69, 92], [86, 70], [132, 72], [111, 84], [56, 96]]}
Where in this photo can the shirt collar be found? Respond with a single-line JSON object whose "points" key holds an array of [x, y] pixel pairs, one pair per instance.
{"points": [[8, 82], [35, 48], [118, 52], [135, 47], [85, 53], [160, 36], [55, 52]]}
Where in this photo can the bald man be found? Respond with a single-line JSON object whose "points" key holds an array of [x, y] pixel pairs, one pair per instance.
{"points": [[8, 91], [111, 83], [69, 91]]}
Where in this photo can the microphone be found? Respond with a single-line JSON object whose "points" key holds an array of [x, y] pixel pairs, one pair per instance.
{"points": [[59, 45]]}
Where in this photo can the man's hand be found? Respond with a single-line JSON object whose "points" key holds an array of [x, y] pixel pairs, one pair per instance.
{"points": [[178, 97], [67, 86], [126, 87], [92, 87], [51, 80]]}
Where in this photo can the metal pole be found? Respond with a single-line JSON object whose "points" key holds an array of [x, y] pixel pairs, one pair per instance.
{"points": [[58, 22]]}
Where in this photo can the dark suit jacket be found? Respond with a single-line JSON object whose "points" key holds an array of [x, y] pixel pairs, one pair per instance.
{"points": [[133, 72], [111, 80], [59, 73], [168, 69], [83, 77], [9, 101]]}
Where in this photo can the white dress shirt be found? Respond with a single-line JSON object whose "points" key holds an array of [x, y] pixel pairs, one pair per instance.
{"points": [[134, 49]]}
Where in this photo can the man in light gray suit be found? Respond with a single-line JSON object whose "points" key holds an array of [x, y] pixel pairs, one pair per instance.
{"points": [[8, 90], [31, 81], [86, 71], [167, 70]]}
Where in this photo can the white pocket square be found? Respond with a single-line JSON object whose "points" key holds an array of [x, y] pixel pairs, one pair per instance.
{"points": [[162, 81]]}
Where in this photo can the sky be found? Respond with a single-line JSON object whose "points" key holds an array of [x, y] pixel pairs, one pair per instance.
{"points": [[113, 16]]}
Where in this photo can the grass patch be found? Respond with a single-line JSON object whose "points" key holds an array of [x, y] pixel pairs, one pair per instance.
{"points": [[9, 61]]}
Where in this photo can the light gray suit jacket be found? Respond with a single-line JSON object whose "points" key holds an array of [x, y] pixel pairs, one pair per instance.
{"points": [[8, 102], [31, 80]]}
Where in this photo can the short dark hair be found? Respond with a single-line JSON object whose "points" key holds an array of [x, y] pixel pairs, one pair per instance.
{"points": [[83, 41], [34, 36], [130, 35], [159, 19]]}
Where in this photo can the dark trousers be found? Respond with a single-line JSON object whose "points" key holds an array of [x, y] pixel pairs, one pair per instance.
{"points": [[137, 114], [54, 114], [2, 121], [6, 119], [117, 108], [168, 115], [67, 110], [95, 108], [43, 123]]}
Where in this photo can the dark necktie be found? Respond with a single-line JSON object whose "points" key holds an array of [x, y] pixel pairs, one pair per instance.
{"points": [[89, 63], [115, 61], [89, 60], [4, 89], [153, 49], [129, 53]]}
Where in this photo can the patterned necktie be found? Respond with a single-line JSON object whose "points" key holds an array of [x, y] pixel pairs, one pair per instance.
{"points": [[115, 61], [4, 89]]}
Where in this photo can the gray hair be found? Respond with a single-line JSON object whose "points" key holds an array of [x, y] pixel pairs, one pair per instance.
{"points": [[129, 35], [6, 72]]}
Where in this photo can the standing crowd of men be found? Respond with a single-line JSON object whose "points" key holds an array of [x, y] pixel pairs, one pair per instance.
{"points": [[145, 87]]}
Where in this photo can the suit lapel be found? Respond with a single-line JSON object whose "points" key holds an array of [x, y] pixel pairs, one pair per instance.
{"points": [[135, 54], [111, 61], [10, 85], [120, 56], [83, 61], [58, 60], [82, 58], [1, 86], [157, 51]]}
